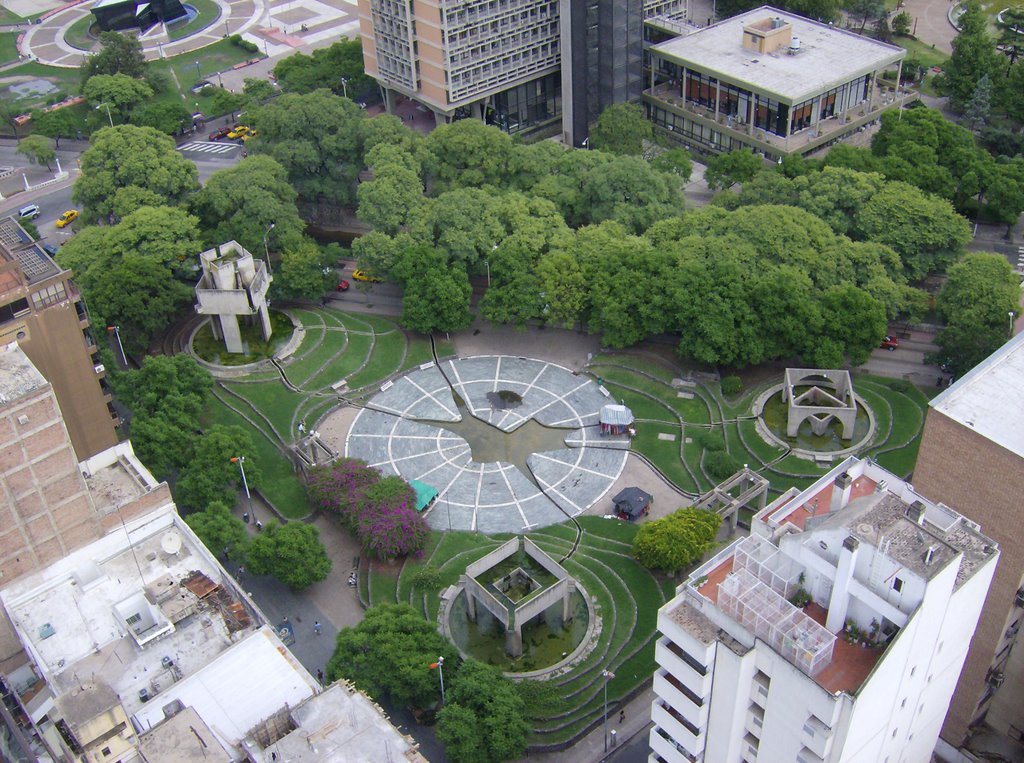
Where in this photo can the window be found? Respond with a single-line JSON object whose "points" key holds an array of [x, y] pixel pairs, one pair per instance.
{"points": [[897, 585], [50, 295], [134, 619], [105, 751]]}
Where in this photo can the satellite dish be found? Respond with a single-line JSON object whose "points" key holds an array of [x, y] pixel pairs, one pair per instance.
{"points": [[171, 543]]}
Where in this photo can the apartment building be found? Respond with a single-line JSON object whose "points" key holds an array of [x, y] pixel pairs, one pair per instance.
{"points": [[835, 632], [43, 311], [972, 457], [770, 81], [518, 64]]}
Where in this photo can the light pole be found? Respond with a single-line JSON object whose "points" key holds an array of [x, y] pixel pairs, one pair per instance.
{"points": [[227, 30], [344, 87], [240, 460], [266, 252], [1012, 315], [117, 336], [487, 264], [440, 674], [198, 75], [608, 675], [107, 107]]}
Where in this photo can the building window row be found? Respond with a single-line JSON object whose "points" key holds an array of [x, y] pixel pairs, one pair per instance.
{"points": [[51, 295]]}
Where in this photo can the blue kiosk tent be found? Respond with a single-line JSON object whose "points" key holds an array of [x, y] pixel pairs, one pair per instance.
{"points": [[425, 494]]}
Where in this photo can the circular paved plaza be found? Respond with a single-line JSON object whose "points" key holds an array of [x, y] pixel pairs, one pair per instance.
{"points": [[402, 431]]}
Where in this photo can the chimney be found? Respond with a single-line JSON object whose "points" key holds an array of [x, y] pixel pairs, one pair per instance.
{"points": [[915, 513], [841, 492], [839, 602]]}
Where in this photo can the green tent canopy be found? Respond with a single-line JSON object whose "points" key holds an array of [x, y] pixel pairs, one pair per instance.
{"points": [[425, 494]]}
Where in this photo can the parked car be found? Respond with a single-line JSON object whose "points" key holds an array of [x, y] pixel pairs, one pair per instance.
{"points": [[342, 285], [362, 275], [250, 134], [29, 212], [890, 343], [198, 87], [238, 131], [67, 218], [220, 134], [50, 249]]}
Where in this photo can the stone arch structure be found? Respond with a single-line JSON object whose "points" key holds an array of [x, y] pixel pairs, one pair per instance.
{"points": [[828, 395]]}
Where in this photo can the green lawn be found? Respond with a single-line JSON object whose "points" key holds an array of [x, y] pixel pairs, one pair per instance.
{"points": [[8, 47], [212, 59], [77, 35], [929, 55], [208, 14], [9, 17]]}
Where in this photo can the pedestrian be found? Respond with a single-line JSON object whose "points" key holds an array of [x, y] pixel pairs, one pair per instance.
{"points": [[240, 571], [245, 517], [316, 627], [938, 382], [259, 525], [319, 675], [622, 715]]}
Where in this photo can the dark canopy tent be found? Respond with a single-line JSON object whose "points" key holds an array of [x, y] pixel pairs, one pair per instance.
{"points": [[632, 503]]}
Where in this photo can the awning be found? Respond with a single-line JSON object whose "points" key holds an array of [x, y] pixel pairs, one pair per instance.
{"points": [[425, 494]]}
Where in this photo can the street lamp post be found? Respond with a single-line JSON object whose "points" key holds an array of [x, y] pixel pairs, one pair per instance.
{"points": [[240, 460], [1013, 316], [266, 252], [344, 87], [487, 264], [227, 30], [117, 336], [198, 75], [608, 675], [440, 673], [107, 107]]}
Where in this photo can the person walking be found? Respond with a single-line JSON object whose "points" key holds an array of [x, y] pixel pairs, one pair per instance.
{"points": [[316, 627], [622, 715]]}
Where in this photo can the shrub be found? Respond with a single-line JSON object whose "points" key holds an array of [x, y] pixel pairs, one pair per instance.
{"points": [[731, 385], [720, 465], [675, 541], [710, 440]]}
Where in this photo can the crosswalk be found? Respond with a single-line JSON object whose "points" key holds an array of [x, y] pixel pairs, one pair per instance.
{"points": [[1020, 260], [202, 147]]}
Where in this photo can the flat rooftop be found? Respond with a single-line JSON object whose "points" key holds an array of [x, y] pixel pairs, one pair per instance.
{"points": [[18, 376], [342, 725], [65, 614], [17, 246], [990, 398], [828, 56], [183, 738]]}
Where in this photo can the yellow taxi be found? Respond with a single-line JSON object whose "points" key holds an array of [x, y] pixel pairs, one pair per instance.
{"points": [[250, 134], [67, 218], [362, 275], [238, 132]]}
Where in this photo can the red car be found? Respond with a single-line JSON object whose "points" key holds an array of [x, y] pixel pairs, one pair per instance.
{"points": [[220, 134], [890, 343], [343, 285]]}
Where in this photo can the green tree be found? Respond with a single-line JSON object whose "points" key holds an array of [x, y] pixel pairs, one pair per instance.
{"points": [[673, 542], [901, 23], [388, 655], [865, 11], [326, 68], [37, 149], [302, 273], [395, 193], [210, 475], [317, 138], [436, 294], [564, 287], [163, 382], [853, 319], [1011, 34], [630, 191], [170, 117], [119, 54], [976, 301], [484, 717], [974, 56], [621, 129], [467, 154], [118, 91], [220, 531], [292, 553], [257, 90], [226, 102], [675, 161], [726, 170], [123, 162], [56, 124], [980, 105]]}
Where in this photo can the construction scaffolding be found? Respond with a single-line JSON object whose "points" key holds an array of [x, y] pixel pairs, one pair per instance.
{"points": [[775, 621]]}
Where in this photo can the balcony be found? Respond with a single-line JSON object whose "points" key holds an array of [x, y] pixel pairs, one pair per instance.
{"points": [[755, 720], [667, 655], [676, 727], [816, 736], [673, 693], [670, 751], [750, 746], [759, 688], [667, 96]]}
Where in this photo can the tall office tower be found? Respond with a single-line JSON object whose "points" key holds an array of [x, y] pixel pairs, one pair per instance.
{"points": [[972, 457], [42, 310], [835, 632], [496, 60], [603, 46]]}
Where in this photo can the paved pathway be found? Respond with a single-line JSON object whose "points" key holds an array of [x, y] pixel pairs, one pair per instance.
{"points": [[933, 27]]}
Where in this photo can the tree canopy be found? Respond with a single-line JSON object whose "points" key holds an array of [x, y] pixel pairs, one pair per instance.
{"points": [[325, 68], [292, 553], [119, 54], [126, 167], [621, 129], [673, 542]]}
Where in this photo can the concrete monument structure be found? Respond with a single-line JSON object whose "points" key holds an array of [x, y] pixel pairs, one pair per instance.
{"points": [[233, 284], [516, 597], [830, 396]]}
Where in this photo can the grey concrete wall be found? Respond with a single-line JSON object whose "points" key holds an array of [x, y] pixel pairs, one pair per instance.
{"points": [[485, 597], [543, 600]]}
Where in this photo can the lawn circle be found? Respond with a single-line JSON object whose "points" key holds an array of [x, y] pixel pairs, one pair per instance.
{"points": [[403, 431], [769, 435]]}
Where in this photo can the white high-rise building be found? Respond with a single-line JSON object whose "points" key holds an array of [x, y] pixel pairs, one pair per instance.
{"points": [[835, 632]]}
